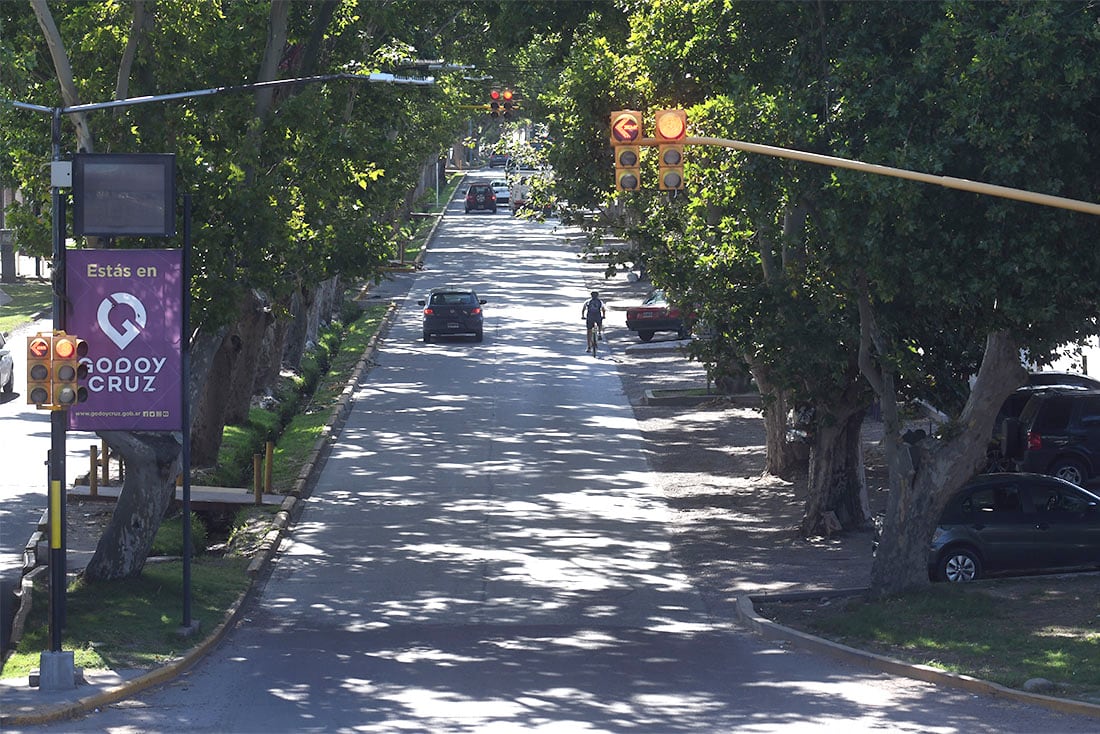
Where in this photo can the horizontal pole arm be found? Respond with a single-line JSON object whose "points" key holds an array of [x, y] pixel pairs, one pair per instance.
{"points": [[950, 182]]}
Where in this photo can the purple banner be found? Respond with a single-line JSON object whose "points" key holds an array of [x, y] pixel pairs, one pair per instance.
{"points": [[127, 305]]}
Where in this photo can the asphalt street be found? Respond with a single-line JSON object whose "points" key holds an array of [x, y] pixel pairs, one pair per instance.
{"points": [[486, 550]]}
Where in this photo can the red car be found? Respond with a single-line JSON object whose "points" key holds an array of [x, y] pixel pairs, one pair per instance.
{"points": [[653, 315]]}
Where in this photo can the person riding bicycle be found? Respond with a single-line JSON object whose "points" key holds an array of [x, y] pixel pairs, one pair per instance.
{"points": [[593, 313]]}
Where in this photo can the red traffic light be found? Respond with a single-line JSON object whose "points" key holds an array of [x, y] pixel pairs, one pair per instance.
{"points": [[494, 94], [670, 125]]}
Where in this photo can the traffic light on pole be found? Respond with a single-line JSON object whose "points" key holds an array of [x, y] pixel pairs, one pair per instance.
{"points": [[508, 103], [494, 103], [40, 370], [626, 133], [68, 370], [670, 130]]}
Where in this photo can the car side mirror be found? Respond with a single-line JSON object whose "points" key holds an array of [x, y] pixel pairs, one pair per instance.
{"points": [[421, 303], [482, 301]]}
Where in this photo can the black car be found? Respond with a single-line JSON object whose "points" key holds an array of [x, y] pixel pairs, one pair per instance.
{"points": [[1013, 406], [1015, 522], [1057, 433], [452, 311], [481, 197]]}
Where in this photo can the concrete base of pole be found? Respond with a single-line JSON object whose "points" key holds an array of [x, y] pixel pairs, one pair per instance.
{"points": [[57, 672], [189, 630]]}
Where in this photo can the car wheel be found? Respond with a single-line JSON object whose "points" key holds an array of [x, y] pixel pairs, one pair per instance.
{"points": [[646, 336], [9, 386], [1071, 470], [682, 334], [427, 336], [958, 565], [478, 336]]}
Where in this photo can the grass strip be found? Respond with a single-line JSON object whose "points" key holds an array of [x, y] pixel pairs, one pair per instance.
{"points": [[132, 623]]}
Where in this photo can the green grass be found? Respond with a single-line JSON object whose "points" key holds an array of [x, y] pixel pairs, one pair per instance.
{"points": [[30, 300], [1005, 630], [132, 623]]}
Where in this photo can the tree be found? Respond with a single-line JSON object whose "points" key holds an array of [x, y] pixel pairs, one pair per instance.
{"points": [[292, 191]]}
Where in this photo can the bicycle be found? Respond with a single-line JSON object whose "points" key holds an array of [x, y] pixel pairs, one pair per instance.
{"points": [[592, 338]]}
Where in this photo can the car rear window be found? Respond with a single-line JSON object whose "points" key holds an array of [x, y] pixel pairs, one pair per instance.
{"points": [[1052, 416], [453, 299]]}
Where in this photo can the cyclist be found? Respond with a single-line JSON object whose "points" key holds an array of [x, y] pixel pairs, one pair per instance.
{"points": [[593, 313]]}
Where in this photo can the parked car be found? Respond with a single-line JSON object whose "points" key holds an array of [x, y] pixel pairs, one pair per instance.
{"points": [[500, 188], [7, 367], [1057, 433], [996, 458], [655, 314], [499, 160], [452, 311], [1015, 522], [481, 197]]}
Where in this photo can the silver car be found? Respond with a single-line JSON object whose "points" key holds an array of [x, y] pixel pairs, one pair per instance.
{"points": [[7, 367]]}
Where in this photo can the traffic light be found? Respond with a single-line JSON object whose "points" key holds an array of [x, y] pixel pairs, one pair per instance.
{"points": [[626, 134], [40, 370], [509, 105], [628, 167], [494, 103], [671, 129], [68, 371]]}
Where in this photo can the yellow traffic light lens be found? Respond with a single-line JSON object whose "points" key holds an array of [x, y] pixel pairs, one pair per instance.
{"points": [[672, 157], [39, 372], [628, 182], [628, 158], [66, 372]]}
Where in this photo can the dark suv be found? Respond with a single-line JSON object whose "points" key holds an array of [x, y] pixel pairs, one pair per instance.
{"points": [[1057, 433]]}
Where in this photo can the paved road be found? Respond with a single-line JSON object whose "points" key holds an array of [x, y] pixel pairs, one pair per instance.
{"points": [[485, 551]]}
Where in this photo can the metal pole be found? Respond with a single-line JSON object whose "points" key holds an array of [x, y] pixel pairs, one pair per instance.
{"points": [[185, 417], [57, 419], [962, 184]]}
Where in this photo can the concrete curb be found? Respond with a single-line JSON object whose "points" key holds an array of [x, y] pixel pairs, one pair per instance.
{"points": [[768, 630]]}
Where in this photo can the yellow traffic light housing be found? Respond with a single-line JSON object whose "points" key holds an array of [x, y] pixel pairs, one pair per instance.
{"points": [[40, 370], [628, 167], [670, 128], [68, 371], [626, 135]]}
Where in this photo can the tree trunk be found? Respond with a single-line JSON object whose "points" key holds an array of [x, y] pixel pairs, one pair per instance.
{"points": [[247, 337], [209, 411], [924, 477], [152, 465], [297, 334], [784, 457], [837, 486]]}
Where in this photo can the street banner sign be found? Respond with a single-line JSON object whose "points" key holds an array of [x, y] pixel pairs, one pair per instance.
{"points": [[127, 305]]}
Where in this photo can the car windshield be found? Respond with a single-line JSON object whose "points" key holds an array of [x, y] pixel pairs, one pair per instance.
{"points": [[656, 298]]}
